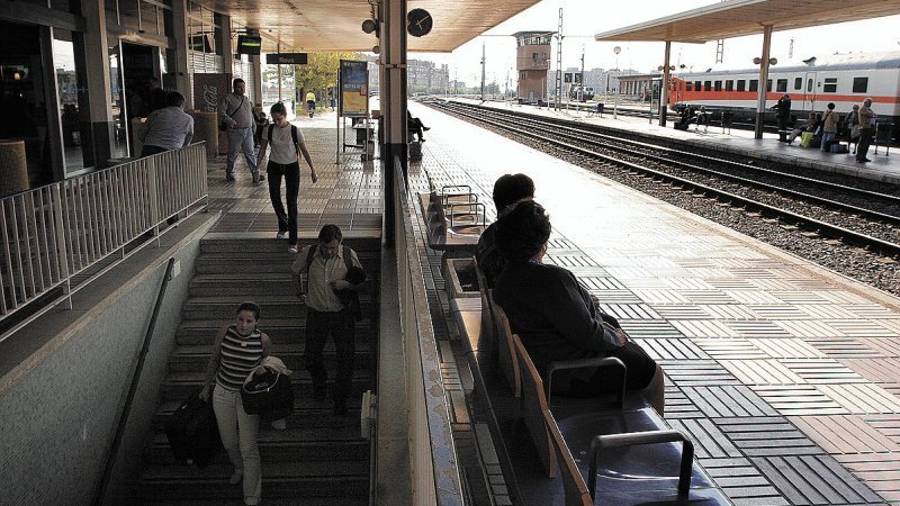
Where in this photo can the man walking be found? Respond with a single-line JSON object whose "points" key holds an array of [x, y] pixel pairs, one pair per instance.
{"points": [[236, 115], [333, 275], [784, 116], [866, 130]]}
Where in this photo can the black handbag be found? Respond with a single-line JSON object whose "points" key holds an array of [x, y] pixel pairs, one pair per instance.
{"points": [[193, 432], [268, 394]]}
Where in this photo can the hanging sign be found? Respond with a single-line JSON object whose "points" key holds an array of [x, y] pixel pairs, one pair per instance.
{"points": [[354, 92], [286, 58]]}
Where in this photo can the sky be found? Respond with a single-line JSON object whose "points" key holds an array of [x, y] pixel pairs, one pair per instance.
{"points": [[584, 18]]}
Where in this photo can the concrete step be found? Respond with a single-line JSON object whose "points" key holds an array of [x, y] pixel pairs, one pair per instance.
{"points": [[334, 479], [240, 245], [252, 262], [308, 414], [188, 358], [269, 501], [222, 307], [277, 446], [177, 386], [282, 331], [245, 285]]}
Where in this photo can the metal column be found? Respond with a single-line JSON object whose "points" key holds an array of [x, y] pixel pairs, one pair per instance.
{"points": [[95, 51], [763, 80], [179, 53], [393, 102], [664, 91]]}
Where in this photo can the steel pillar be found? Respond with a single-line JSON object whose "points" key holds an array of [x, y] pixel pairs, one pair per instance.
{"points": [[763, 78], [95, 51], [664, 92], [179, 53]]}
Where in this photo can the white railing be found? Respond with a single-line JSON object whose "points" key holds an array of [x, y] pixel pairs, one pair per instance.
{"points": [[50, 235], [433, 461]]}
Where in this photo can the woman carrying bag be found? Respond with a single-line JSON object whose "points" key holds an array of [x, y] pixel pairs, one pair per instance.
{"points": [[284, 162], [238, 353]]}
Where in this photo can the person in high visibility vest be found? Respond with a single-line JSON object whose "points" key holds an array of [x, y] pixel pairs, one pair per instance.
{"points": [[311, 103]]}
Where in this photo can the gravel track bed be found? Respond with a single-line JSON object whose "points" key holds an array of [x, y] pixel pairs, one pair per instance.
{"points": [[870, 268]]}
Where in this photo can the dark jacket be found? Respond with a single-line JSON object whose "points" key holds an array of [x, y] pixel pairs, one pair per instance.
{"points": [[554, 316], [488, 256], [783, 107]]}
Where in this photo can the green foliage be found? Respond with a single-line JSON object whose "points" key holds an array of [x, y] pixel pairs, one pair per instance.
{"points": [[321, 70]]}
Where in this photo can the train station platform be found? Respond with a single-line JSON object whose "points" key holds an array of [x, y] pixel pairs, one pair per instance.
{"points": [[883, 167], [785, 375]]}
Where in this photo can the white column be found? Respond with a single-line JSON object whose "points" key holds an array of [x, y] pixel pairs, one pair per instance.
{"points": [[763, 78], [664, 92], [181, 68], [96, 59]]}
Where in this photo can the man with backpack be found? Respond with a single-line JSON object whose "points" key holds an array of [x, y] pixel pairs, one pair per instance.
{"points": [[284, 161], [333, 277], [236, 118]]}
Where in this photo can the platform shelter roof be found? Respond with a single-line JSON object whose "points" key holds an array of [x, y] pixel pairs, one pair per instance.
{"points": [[335, 25], [735, 18]]}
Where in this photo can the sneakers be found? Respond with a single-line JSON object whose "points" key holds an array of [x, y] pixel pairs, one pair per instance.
{"points": [[280, 424], [257, 177], [229, 178], [236, 477], [281, 235], [251, 501], [293, 249]]}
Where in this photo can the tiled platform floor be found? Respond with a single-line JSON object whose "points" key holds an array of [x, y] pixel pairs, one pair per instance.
{"points": [[786, 376], [881, 168], [348, 195]]}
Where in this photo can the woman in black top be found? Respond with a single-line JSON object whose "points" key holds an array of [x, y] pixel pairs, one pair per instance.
{"points": [[556, 317]]}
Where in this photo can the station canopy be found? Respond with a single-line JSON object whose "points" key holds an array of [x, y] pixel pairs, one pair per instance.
{"points": [[335, 25], [735, 18]]}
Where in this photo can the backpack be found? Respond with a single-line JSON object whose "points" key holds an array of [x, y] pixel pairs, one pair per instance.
{"points": [[294, 136], [349, 298]]}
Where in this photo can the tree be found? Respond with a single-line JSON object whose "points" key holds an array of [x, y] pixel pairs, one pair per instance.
{"points": [[321, 70]]}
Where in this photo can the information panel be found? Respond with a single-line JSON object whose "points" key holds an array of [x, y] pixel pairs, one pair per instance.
{"points": [[354, 80]]}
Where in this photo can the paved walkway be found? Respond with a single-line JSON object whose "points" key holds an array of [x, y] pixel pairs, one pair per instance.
{"points": [[881, 168], [785, 375]]}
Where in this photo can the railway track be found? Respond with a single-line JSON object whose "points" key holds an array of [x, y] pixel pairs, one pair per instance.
{"points": [[853, 215]]}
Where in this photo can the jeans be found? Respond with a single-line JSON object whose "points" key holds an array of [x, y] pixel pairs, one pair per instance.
{"points": [[865, 140], [240, 140], [149, 150], [291, 172], [341, 327], [238, 431], [827, 139]]}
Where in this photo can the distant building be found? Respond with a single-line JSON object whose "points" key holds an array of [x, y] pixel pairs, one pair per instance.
{"points": [[605, 81], [426, 77], [532, 64]]}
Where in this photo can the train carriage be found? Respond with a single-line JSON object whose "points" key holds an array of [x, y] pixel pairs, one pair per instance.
{"points": [[842, 79]]}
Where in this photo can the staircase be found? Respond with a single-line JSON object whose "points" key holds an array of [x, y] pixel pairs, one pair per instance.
{"points": [[320, 459]]}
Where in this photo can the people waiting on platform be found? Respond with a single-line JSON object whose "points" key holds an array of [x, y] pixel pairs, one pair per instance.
{"points": [[784, 116], [236, 117], [829, 127], [415, 126], [168, 128], [287, 143], [333, 276], [509, 190], [556, 317], [867, 120], [809, 125], [853, 125], [239, 350]]}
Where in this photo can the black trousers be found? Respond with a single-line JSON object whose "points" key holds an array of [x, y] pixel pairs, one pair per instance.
{"points": [[148, 150], [340, 326], [287, 221], [782, 128], [415, 126], [865, 140]]}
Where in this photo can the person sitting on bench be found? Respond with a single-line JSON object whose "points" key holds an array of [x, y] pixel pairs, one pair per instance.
{"points": [[415, 127], [556, 317]]}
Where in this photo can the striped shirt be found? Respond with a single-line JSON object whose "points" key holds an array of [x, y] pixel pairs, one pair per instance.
{"points": [[240, 355]]}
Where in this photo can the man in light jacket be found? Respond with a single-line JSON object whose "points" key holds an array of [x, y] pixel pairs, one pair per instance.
{"points": [[866, 130], [236, 113]]}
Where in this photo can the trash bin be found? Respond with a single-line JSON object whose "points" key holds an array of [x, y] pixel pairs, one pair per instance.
{"points": [[206, 128], [15, 166]]}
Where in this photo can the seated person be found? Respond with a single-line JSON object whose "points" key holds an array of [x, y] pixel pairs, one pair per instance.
{"points": [[509, 189], [556, 318], [809, 125], [415, 127]]}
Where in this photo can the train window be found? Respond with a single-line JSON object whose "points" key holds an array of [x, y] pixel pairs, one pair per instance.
{"points": [[688, 86], [698, 86], [830, 85], [798, 83], [860, 84], [809, 85], [781, 85], [768, 85], [729, 85], [754, 84], [718, 85], [741, 85], [707, 85]]}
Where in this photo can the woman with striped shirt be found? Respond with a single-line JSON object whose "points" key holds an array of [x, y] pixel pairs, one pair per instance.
{"points": [[239, 351]]}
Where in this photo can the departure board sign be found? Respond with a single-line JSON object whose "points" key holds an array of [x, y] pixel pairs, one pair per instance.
{"points": [[354, 89], [286, 58]]}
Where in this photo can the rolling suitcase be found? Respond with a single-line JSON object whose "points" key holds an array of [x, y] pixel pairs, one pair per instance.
{"points": [[193, 432]]}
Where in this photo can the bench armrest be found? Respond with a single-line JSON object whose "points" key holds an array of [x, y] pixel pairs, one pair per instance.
{"points": [[599, 443], [470, 205], [584, 363]]}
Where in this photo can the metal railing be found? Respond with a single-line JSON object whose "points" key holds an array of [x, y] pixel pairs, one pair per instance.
{"points": [[50, 235], [433, 461]]}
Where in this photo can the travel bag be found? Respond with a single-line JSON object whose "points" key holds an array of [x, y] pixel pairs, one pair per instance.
{"points": [[193, 432], [268, 394], [837, 147], [806, 139]]}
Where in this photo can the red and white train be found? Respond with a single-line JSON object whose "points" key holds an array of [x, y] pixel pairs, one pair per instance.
{"points": [[842, 79]]}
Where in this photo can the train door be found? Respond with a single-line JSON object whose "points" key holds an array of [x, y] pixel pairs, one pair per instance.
{"points": [[810, 86]]}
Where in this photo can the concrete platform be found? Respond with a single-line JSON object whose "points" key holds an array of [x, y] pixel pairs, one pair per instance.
{"points": [[882, 167], [785, 375]]}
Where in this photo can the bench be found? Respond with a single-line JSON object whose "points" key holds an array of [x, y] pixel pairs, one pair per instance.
{"points": [[454, 218]]}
